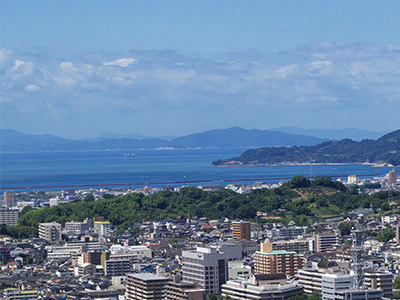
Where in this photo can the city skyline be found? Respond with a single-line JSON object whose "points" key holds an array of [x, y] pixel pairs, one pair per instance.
{"points": [[78, 70]]}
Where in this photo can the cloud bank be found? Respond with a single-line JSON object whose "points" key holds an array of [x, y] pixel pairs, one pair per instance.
{"points": [[166, 93]]}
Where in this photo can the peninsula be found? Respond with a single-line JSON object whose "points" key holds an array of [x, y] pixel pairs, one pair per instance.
{"points": [[385, 150]]}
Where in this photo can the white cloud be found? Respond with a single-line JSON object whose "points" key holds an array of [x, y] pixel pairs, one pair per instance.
{"points": [[341, 76], [318, 64], [32, 88], [287, 70], [122, 62]]}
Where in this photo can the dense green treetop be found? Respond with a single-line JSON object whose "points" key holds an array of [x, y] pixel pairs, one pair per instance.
{"points": [[383, 150], [302, 199]]}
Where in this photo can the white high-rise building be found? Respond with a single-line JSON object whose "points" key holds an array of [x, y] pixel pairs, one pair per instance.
{"points": [[206, 267]]}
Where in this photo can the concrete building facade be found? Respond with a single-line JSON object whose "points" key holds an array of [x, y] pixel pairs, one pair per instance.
{"points": [[9, 199], [183, 290], [282, 261], [145, 286], [326, 241], [9, 217], [206, 267], [50, 231], [241, 230]]}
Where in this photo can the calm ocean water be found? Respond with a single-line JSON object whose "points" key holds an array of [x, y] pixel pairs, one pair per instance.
{"points": [[99, 167]]}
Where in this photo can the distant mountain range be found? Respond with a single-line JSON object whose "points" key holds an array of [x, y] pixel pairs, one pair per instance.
{"points": [[334, 134], [12, 140], [385, 150]]}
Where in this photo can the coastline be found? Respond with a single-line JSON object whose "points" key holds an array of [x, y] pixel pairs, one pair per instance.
{"points": [[239, 164]]}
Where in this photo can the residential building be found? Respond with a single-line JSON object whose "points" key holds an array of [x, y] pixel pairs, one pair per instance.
{"points": [[103, 228], [145, 286], [378, 280], [392, 177], [140, 251], [9, 217], [183, 290], [310, 279], [267, 261], [117, 267], [79, 227], [248, 247], [9, 199], [398, 234], [331, 283], [389, 219], [93, 256], [87, 244], [351, 294], [50, 231], [54, 201], [290, 231], [265, 287], [299, 246], [16, 294], [232, 251], [326, 241], [241, 230], [132, 257], [206, 267], [85, 269]]}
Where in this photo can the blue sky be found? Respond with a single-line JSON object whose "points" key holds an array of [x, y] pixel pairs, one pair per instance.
{"points": [[80, 68]]}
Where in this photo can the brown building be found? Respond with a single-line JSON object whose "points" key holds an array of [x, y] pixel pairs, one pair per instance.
{"points": [[145, 286], [392, 177], [280, 261], [9, 199], [241, 230], [183, 290]]}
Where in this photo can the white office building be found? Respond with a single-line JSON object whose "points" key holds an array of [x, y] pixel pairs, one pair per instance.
{"points": [[206, 267]]}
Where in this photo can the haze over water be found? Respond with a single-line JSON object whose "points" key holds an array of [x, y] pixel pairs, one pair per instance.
{"points": [[100, 167]]}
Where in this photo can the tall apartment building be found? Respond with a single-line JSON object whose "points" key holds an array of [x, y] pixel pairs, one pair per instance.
{"points": [[9, 199], [117, 267], [392, 177], [267, 261], [183, 290], [50, 231], [145, 286], [206, 267], [241, 230], [9, 217], [93, 256], [326, 241]]}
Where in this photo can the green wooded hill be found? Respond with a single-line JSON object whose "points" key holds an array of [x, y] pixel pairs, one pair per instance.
{"points": [[383, 150], [303, 199]]}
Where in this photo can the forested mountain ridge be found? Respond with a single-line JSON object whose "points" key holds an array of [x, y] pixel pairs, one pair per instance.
{"points": [[386, 149], [303, 200]]}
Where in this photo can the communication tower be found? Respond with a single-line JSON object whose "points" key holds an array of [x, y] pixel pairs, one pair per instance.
{"points": [[358, 254]]}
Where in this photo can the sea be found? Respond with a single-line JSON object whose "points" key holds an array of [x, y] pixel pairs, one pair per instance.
{"points": [[29, 171]]}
